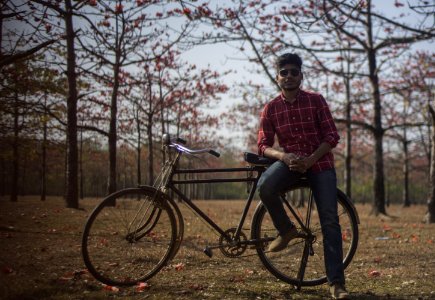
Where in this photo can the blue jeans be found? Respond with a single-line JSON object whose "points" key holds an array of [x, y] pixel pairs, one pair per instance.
{"points": [[277, 179]]}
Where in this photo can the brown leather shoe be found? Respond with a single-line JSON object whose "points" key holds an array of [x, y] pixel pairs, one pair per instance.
{"points": [[281, 242], [338, 291]]}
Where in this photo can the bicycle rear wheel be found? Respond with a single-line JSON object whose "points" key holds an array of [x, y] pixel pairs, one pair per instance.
{"points": [[286, 264], [129, 237]]}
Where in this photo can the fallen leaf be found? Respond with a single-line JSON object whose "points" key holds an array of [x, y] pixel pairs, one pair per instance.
{"points": [[237, 279], [344, 236], [408, 282], [196, 287], [7, 270], [374, 273], [396, 235], [80, 272], [249, 272], [65, 278], [386, 227], [179, 267], [110, 288], [142, 286]]}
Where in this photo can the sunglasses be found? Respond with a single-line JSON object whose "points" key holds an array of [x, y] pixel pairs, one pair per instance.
{"points": [[286, 72]]}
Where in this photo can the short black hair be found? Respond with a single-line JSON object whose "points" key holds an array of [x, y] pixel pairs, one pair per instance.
{"points": [[288, 58]]}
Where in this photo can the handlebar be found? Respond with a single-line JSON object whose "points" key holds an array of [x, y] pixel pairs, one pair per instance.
{"points": [[176, 143]]}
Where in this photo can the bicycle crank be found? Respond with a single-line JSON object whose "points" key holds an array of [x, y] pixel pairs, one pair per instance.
{"points": [[234, 248]]}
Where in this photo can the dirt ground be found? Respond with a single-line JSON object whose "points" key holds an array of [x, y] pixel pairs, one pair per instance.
{"points": [[40, 258]]}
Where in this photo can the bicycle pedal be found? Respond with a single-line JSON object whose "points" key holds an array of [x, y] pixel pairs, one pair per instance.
{"points": [[207, 251]]}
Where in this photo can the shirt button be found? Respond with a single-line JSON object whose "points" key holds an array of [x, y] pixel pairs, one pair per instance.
{"points": [[293, 118]]}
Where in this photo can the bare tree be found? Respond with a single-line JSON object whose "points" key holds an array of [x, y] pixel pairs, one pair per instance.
{"points": [[430, 218], [123, 38], [375, 38]]}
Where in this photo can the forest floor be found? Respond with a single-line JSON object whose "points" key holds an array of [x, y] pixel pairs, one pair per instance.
{"points": [[40, 258]]}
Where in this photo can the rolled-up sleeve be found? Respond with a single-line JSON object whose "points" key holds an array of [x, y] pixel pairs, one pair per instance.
{"points": [[328, 129], [266, 132]]}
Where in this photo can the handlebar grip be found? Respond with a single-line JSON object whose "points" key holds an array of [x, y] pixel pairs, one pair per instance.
{"points": [[181, 141], [212, 152]]}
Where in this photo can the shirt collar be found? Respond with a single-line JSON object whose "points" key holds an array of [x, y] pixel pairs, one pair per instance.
{"points": [[296, 97]]}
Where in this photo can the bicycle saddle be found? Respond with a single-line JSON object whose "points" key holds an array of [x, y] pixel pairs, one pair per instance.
{"points": [[255, 159]]}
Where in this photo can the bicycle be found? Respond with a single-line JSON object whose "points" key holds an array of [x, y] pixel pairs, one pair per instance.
{"points": [[133, 233]]}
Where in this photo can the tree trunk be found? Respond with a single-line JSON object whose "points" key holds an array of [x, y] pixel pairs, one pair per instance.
{"points": [[65, 174], [348, 151], [82, 193], [150, 134], [112, 132], [162, 119], [23, 172], [3, 177], [112, 146], [114, 114], [405, 195], [44, 154], [378, 170], [71, 132], [15, 154], [138, 148], [150, 153], [430, 218]]}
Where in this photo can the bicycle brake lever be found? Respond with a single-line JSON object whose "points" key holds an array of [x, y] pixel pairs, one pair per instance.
{"points": [[212, 152], [181, 141]]}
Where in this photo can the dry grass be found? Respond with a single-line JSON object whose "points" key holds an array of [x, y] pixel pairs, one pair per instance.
{"points": [[40, 258]]}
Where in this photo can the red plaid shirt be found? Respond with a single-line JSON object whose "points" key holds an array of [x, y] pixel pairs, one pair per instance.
{"points": [[300, 126]]}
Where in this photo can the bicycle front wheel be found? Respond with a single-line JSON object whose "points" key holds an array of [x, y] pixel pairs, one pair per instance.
{"points": [[288, 264], [129, 237]]}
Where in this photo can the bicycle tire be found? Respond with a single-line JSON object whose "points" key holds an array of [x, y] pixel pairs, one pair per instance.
{"points": [[285, 264], [129, 237]]}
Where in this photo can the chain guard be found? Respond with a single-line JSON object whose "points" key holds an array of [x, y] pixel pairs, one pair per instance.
{"points": [[234, 248]]}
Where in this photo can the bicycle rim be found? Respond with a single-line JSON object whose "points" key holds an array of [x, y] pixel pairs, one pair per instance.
{"points": [[129, 237], [286, 264]]}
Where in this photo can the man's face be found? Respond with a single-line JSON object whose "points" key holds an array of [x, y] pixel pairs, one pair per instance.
{"points": [[289, 77]]}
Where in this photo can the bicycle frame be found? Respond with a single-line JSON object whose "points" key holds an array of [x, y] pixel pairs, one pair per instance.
{"points": [[249, 178]]}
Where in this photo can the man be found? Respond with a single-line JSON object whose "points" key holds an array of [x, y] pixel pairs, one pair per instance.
{"points": [[306, 133]]}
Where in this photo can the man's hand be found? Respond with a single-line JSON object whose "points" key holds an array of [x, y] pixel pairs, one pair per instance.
{"points": [[294, 162], [301, 164], [297, 163], [288, 158]]}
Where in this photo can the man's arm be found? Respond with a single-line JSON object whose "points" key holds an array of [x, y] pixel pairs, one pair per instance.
{"points": [[287, 158], [266, 133]]}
